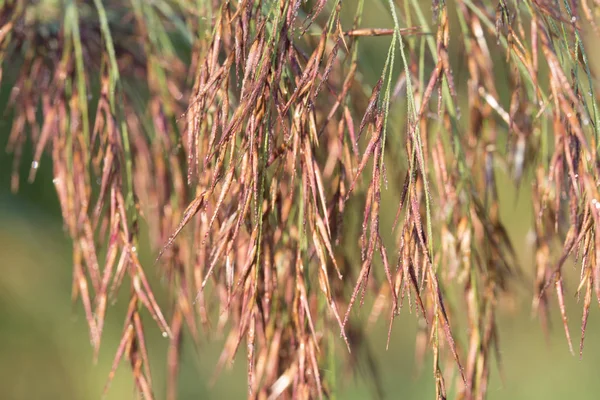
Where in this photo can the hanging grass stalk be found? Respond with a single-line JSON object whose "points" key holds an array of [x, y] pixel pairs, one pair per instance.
{"points": [[247, 140]]}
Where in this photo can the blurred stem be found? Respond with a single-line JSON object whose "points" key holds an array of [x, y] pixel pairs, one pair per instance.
{"points": [[72, 17]]}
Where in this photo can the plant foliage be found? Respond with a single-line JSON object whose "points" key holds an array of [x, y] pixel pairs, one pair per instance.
{"points": [[245, 139]]}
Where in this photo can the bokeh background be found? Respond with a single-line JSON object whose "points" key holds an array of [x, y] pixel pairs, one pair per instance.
{"points": [[44, 346]]}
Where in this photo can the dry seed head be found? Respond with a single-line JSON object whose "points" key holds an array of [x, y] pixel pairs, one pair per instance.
{"points": [[252, 163]]}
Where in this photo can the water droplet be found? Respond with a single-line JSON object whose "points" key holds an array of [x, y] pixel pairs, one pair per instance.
{"points": [[531, 236], [56, 180], [586, 122], [573, 19], [35, 165], [134, 249], [165, 334]]}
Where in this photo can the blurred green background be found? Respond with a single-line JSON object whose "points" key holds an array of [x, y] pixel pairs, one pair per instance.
{"points": [[45, 351]]}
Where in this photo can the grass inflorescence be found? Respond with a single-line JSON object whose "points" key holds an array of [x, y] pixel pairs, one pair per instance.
{"points": [[247, 140]]}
